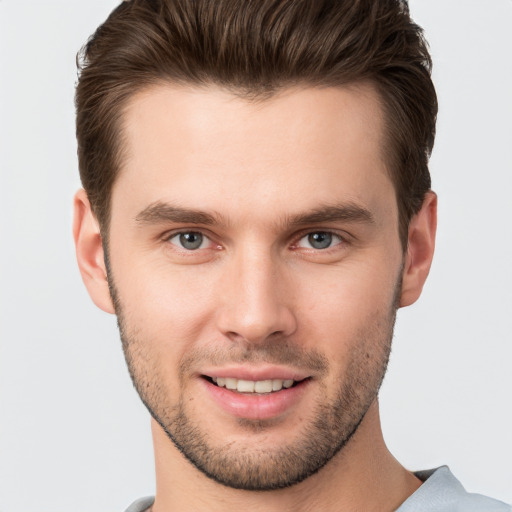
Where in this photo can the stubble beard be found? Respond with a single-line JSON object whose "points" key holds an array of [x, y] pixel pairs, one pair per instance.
{"points": [[244, 466]]}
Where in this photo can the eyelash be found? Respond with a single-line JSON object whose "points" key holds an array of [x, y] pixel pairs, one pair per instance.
{"points": [[168, 237], [342, 239], [332, 234]]}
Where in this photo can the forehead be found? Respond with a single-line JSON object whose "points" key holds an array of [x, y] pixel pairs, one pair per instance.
{"points": [[303, 145]]}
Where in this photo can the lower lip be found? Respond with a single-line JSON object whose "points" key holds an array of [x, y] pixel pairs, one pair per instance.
{"points": [[256, 406]]}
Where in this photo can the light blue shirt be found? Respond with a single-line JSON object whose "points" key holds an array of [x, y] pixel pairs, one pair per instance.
{"points": [[440, 492]]}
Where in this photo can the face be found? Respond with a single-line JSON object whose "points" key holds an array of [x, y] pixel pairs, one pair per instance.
{"points": [[255, 266]]}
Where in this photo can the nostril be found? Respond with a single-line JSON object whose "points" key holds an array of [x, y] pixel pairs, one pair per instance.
{"points": [[256, 323]]}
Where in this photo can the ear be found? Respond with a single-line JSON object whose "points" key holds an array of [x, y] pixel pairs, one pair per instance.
{"points": [[420, 250], [89, 252]]}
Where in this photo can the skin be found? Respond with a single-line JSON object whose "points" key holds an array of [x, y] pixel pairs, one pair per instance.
{"points": [[256, 295]]}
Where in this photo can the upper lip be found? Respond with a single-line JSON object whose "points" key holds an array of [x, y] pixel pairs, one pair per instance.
{"points": [[266, 372]]}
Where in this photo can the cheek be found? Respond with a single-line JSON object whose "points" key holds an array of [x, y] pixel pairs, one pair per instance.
{"points": [[170, 307], [347, 306], [163, 318], [351, 292]]}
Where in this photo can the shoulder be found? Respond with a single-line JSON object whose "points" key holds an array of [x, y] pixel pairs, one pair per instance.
{"points": [[141, 505], [442, 492]]}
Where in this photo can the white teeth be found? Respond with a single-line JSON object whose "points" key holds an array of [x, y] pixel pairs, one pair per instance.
{"points": [[231, 383], [263, 386], [251, 386], [245, 386], [277, 385]]}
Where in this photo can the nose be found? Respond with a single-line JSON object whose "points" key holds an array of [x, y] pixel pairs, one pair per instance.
{"points": [[256, 300]]}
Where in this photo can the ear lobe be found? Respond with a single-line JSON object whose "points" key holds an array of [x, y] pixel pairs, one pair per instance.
{"points": [[420, 250], [89, 252]]}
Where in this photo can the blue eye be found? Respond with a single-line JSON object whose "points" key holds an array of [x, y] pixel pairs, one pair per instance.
{"points": [[319, 240], [190, 240]]}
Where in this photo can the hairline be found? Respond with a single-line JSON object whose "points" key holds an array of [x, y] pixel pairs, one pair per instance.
{"points": [[251, 96]]}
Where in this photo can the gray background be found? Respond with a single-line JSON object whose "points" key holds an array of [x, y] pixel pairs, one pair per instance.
{"points": [[73, 434]]}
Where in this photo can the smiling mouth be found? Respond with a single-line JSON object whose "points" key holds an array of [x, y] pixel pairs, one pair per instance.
{"points": [[253, 386]]}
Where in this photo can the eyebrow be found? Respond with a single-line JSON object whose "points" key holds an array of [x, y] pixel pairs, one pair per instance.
{"points": [[159, 213], [347, 212]]}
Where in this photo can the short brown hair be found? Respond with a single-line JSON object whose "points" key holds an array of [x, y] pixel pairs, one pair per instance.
{"points": [[254, 48]]}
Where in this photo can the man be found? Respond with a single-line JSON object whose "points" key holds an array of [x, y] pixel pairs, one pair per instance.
{"points": [[257, 205]]}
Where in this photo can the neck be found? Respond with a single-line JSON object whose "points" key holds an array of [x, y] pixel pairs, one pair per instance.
{"points": [[362, 476]]}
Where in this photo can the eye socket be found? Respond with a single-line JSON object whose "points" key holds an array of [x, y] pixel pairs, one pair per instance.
{"points": [[190, 240], [319, 240], [195, 240]]}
